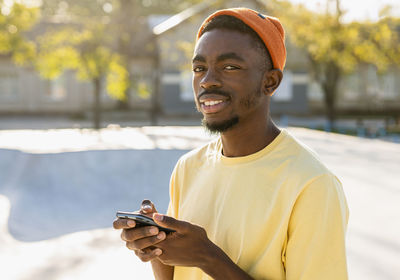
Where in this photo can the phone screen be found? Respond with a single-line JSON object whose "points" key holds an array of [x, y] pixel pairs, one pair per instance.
{"points": [[141, 220]]}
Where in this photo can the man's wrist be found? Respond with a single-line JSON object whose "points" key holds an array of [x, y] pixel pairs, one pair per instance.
{"points": [[212, 259], [218, 265], [162, 271]]}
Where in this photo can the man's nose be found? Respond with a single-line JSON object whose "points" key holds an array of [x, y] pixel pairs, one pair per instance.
{"points": [[210, 79]]}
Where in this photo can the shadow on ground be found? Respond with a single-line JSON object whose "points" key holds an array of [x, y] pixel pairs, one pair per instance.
{"points": [[56, 194]]}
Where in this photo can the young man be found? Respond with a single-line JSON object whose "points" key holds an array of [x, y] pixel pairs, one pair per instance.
{"points": [[255, 203]]}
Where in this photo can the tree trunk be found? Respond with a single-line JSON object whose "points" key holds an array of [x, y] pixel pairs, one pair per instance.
{"points": [[127, 23], [155, 95], [330, 86], [96, 103], [123, 105], [330, 108]]}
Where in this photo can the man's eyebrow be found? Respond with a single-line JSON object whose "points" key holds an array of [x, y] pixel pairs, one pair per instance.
{"points": [[230, 55], [198, 58], [222, 57]]}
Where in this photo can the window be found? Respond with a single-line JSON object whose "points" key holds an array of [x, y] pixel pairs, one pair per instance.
{"points": [[388, 88], [186, 90], [8, 86], [315, 92], [285, 89], [56, 89]]}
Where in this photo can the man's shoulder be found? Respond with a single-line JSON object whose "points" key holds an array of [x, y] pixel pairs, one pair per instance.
{"points": [[303, 158], [303, 166]]}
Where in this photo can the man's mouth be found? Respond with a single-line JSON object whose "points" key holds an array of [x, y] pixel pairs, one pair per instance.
{"points": [[211, 106], [212, 103]]}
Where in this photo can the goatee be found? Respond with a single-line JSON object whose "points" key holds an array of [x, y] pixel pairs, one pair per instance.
{"points": [[215, 128]]}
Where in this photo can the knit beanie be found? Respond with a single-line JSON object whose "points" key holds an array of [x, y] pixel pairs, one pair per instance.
{"points": [[269, 29]]}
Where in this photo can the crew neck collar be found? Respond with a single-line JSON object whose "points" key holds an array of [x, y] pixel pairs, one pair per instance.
{"points": [[251, 157]]}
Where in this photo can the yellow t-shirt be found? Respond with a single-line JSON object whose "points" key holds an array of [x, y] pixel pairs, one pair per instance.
{"points": [[278, 213]]}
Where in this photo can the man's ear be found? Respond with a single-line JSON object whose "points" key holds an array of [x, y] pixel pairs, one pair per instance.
{"points": [[272, 80]]}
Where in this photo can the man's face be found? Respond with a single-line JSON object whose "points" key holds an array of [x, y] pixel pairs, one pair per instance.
{"points": [[227, 79]]}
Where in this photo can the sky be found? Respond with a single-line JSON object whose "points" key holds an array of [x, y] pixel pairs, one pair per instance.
{"points": [[356, 9]]}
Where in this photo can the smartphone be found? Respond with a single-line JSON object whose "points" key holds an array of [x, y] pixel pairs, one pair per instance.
{"points": [[142, 220]]}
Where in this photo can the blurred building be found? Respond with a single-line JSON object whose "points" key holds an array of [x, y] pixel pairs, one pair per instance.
{"points": [[24, 91], [165, 71]]}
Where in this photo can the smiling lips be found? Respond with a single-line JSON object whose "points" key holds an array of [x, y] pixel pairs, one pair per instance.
{"points": [[211, 104]]}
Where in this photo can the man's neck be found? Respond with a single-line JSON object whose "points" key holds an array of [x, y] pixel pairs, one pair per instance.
{"points": [[243, 141]]}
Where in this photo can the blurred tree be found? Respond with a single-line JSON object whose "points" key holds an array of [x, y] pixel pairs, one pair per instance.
{"points": [[15, 20], [92, 52], [134, 39], [118, 34], [88, 53], [335, 48]]}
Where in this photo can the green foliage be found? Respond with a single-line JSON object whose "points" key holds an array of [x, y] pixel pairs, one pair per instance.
{"points": [[14, 22], [187, 48], [103, 49], [117, 78], [328, 40], [336, 48], [57, 52], [143, 90], [87, 53]]}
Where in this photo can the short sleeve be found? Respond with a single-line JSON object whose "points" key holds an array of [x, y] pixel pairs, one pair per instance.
{"points": [[316, 236]]}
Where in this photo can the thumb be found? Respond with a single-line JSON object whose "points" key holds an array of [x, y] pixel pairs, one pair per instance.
{"points": [[147, 208], [171, 223]]}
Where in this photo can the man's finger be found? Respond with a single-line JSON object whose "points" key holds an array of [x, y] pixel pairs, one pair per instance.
{"points": [[147, 207], [123, 223], [148, 254], [143, 243], [169, 222], [138, 233]]}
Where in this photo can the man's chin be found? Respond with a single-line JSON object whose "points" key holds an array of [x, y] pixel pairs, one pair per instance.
{"points": [[220, 127]]}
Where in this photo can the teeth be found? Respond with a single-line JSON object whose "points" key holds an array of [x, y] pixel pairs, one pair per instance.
{"points": [[211, 103]]}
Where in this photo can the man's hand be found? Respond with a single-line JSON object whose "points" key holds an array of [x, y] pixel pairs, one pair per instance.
{"points": [[142, 239], [188, 246]]}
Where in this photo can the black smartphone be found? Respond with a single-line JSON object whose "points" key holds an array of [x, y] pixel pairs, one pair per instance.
{"points": [[141, 220]]}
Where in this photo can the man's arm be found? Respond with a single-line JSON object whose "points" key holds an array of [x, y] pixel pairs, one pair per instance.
{"points": [[162, 271], [220, 266], [316, 234], [190, 246]]}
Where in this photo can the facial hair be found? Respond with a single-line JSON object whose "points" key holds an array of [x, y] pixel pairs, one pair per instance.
{"points": [[215, 128], [247, 102]]}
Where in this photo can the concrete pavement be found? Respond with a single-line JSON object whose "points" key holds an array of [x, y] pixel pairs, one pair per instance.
{"points": [[59, 190]]}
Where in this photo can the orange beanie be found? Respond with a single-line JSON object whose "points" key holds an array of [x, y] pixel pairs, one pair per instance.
{"points": [[269, 29]]}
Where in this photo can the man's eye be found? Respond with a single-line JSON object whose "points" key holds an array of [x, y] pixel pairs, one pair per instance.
{"points": [[198, 69], [230, 67]]}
